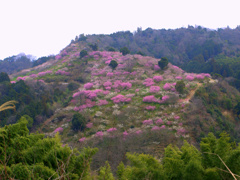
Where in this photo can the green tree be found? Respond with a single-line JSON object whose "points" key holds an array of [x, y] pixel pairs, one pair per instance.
{"points": [[31, 156], [113, 64], [78, 122], [124, 51], [4, 77], [111, 49], [140, 53], [237, 108], [143, 166], [82, 37], [163, 63], [94, 46], [83, 53], [180, 85], [28, 119], [105, 173]]}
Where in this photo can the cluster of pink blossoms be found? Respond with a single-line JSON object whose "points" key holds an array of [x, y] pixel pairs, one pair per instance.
{"points": [[189, 78], [120, 98], [117, 84], [157, 78], [99, 134], [148, 82], [102, 102], [154, 89], [150, 108], [156, 68], [149, 99], [88, 85], [181, 131], [152, 98], [169, 86], [112, 130], [88, 104], [21, 78], [82, 139], [44, 73], [60, 72], [33, 75], [59, 129], [57, 57], [89, 125], [147, 122], [155, 128], [178, 77], [159, 122], [199, 76]]}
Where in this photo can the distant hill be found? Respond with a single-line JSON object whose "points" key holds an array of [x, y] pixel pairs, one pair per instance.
{"points": [[179, 45], [194, 49], [19, 62]]}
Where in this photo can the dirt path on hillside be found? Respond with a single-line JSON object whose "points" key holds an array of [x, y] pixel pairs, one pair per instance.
{"points": [[190, 95], [192, 92]]}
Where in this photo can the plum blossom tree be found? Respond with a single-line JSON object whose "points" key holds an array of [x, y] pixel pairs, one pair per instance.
{"points": [[159, 122], [157, 78], [154, 89], [88, 85], [120, 98], [150, 108], [189, 78], [147, 122]]}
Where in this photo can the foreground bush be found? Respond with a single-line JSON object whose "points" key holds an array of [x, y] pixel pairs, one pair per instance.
{"points": [[31, 156]]}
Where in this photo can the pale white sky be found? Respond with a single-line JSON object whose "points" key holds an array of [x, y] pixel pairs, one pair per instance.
{"points": [[44, 27]]}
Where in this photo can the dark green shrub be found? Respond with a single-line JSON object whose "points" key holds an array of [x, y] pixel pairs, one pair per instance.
{"points": [[163, 63], [94, 46], [111, 49], [78, 122], [180, 86], [124, 51], [113, 64], [72, 86], [4, 77], [83, 53]]}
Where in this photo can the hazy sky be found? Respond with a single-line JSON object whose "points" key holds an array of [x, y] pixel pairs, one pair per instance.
{"points": [[44, 27]]}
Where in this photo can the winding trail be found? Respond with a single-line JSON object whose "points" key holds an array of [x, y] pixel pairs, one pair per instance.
{"points": [[192, 92], [190, 95]]}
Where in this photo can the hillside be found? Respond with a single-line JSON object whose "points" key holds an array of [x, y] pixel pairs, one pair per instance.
{"points": [[134, 108], [194, 49]]}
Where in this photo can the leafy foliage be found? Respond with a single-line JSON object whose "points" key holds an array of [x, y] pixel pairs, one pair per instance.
{"points": [[163, 63], [25, 156], [83, 53], [94, 46], [186, 162], [4, 77], [180, 86], [78, 122], [113, 64], [30, 102], [124, 51]]}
